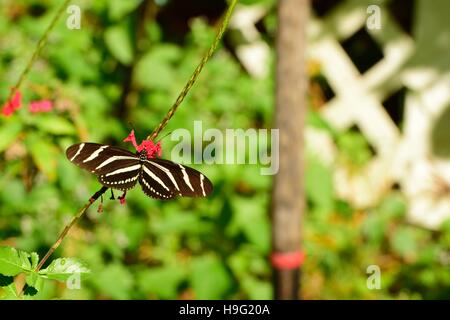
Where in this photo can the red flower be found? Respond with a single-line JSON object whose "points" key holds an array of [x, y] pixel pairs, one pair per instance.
{"points": [[148, 145], [122, 198], [151, 148], [10, 106], [131, 138], [41, 106]]}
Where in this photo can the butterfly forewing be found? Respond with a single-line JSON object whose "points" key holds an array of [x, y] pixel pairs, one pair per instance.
{"points": [[115, 167], [120, 169], [100, 158]]}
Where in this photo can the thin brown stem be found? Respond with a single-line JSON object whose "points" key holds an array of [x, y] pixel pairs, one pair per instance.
{"points": [[66, 230], [70, 225], [196, 73]]}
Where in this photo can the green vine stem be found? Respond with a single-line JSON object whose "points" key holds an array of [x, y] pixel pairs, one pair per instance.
{"points": [[196, 72], [37, 51]]}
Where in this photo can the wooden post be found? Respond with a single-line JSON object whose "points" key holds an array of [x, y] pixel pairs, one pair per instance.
{"points": [[288, 191]]}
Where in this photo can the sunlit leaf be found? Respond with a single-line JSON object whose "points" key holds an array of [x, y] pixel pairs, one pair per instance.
{"points": [[63, 268], [13, 262]]}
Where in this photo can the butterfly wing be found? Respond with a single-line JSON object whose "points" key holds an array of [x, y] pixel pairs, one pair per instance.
{"points": [[115, 167], [163, 179]]}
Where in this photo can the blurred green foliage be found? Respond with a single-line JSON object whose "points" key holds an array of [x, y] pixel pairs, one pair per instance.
{"points": [[214, 248]]}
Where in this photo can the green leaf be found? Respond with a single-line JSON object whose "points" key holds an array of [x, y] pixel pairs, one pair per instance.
{"points": [[119, 42], [54, 124], [62, 268], [157, 62], [10, 292], [13, 262], [404, 242], [162, 281], [257, 289], [44, 155], [34, 281], [319, 185], [209, 278], [115, 281], [9, 133], [117, 9], [34, 260]]}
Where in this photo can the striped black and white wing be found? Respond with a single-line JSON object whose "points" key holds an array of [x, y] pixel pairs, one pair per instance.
{"points": [[163, 179], [115, 167]]}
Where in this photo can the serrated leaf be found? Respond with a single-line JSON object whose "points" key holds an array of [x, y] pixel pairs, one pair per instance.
{"points": [[35, 281], [62, 268], [8, 134], [13, 262], [34, 260], [54, 124]]}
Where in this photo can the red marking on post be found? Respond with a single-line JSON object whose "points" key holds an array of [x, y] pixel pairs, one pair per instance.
{"points": [[287, 260]]}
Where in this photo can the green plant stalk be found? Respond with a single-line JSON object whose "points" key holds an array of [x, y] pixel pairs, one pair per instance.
{"points": [[196, 73], [37, 51]]}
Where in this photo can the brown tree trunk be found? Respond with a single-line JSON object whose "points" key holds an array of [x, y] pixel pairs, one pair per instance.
{"points": [[288, 191]]}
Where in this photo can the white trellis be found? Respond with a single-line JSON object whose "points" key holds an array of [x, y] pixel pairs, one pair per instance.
{"points": [[401, 157], [405, 157]]}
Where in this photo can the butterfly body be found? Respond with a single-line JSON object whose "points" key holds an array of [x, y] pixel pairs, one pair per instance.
{"points": [[121, 169]]}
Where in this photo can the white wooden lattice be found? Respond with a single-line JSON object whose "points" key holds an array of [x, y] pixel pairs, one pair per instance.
{"points": [[420, 64], [405, 157]]}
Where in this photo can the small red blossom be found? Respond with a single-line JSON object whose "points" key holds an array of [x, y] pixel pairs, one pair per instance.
{"points": [[151, 148], [131, 138], [122, 198], [41, 106], [10, 106], [148, 145]]}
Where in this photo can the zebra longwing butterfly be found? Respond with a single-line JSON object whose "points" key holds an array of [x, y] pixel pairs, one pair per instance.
{"points": [[121, 169]]}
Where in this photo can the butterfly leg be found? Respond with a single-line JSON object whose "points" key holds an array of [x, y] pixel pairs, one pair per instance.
{"points": [[112, 195], [100, 206]]}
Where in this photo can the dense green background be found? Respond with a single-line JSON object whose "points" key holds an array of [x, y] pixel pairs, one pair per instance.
{"points": [[204, 248]]}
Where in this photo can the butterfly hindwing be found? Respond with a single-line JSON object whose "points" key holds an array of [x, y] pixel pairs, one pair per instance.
{"points": [[155, 183], [179, 179], [123, 178]]}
